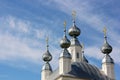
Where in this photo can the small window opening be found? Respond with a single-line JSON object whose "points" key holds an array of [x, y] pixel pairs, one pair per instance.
{"points": [[77, 55]]}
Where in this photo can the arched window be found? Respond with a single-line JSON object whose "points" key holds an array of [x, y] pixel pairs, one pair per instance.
{"points": [[77, 55]]}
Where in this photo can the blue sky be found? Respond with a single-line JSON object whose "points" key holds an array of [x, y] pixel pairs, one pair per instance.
{"points": [[24, 25]]}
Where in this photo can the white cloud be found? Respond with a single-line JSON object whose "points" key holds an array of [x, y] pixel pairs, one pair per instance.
{"points": [[23, 26], [95, 52], [11, 22], [85, 13], [14, 48], [95, 21], [15, 24], [43, 33]]}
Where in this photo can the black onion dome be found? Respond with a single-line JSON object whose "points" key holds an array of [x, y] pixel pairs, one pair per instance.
{"points": [[74, 30], [106, 48], [47, 56], [65, 43]]}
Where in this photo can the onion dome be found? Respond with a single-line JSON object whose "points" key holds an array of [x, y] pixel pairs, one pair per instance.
{"points": [[107, 59], [106, 48], [65, 43], [74, 31], [47, 56]]}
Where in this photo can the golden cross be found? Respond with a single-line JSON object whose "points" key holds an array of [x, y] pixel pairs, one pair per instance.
{"points": [[73, 14], [104, 30], [64, 24], [65, 27]]}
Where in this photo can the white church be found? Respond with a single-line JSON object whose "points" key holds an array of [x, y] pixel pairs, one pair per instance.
{"points": [[73, 65]]}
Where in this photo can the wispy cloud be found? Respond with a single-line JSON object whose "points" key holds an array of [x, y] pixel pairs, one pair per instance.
{"points": [[97, 21], [95, 52], [31, 45], [24, 26], [15, 48]]}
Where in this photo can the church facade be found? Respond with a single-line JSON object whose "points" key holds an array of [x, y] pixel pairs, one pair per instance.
{"points": [[73, 65]]}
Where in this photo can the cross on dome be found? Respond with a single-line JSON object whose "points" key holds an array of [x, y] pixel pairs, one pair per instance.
{"points": [[105, 31], [74, 14], [65, 27]]}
